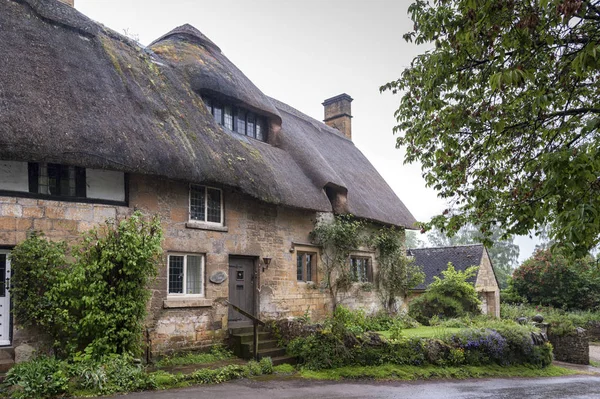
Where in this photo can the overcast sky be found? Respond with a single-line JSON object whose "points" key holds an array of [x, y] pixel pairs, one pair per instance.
{"points": [[302, 53]]}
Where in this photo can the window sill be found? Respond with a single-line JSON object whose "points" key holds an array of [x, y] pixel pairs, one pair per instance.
{"points": [[206, 226], [176, 303]]}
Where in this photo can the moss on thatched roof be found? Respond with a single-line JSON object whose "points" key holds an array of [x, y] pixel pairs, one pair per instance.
{"points": [[75, 92]]}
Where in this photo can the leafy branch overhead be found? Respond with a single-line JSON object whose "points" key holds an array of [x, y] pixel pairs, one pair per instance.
{"points": [[503, 114]]}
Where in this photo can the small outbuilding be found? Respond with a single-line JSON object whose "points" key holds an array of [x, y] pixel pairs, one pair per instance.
{"points": [[435, 260]]}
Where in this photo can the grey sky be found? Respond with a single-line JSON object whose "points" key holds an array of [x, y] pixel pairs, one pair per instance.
{"points": [[302, 53]]}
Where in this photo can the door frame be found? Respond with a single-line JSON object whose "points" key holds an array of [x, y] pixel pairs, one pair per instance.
{"points": [[256, 275], [7, 250]]}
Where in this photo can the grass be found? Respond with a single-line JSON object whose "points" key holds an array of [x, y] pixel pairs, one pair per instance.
{"points": [[408, 373], [284, 369], [216, 354], [424, 332]]}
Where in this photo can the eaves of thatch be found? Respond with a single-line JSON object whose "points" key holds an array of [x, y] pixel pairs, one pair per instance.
{"points": [[75, 92]]}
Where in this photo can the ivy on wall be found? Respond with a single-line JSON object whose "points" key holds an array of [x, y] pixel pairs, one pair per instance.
{"points": [[91, 297]]}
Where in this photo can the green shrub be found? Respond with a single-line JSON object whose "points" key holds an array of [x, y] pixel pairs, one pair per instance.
{"points": [[266, 365], [253, 368], [551, 279], [38, 266], [561, 322], [448, 297], [216, 376], [321, 350], [97, 301], [42, 377]]}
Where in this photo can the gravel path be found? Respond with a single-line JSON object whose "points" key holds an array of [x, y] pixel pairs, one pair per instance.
{"points": [[595, 352]]}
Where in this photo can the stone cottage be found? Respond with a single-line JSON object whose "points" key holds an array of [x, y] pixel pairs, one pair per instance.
{"points": [[93, 126], [435, 260]]}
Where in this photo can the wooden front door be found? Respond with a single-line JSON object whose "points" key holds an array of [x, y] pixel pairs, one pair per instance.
{"points": [[241, 289], [4, 298]]}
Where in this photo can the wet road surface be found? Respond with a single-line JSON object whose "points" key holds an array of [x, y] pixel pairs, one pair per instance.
{"points": [[542, 388]]}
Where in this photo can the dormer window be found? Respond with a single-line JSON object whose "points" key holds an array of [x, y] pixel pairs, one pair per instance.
{"points": [[238, 119]]}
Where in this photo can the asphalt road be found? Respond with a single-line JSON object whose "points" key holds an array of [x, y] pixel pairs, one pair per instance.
{"points": [[542, 388]]}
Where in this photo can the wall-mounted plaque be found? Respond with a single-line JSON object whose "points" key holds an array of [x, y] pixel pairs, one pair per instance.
{"points": [[218, 277]]}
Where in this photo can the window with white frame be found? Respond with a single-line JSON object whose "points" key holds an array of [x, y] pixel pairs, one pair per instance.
{"points": [[206, 204], [186, 275]]}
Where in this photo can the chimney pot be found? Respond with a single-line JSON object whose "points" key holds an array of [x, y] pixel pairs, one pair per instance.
{"points": [[338, 114]]}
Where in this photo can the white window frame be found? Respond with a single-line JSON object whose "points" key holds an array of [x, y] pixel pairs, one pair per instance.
{"points": [[202, 273], [205, 221]]}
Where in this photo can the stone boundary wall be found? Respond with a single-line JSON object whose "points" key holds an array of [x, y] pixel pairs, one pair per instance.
{"points": [[572, 348], [593, 330]]}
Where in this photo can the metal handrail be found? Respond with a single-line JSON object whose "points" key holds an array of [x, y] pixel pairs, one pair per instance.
{"points": [[255, 323]]}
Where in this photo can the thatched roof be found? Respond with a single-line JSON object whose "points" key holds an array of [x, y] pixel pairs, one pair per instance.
{"points": [[73, 91], [435, 260]]}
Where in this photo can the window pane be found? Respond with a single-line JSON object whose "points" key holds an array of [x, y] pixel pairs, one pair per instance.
{"points": [[228, 117], [309, 259], [218, 113], [197, 203], [43, 179], [2, 275], [240, 121], [213, 212], [53, 171], [299, 265], [261, 129], [175, 274], [250, 125], [194, 276]]}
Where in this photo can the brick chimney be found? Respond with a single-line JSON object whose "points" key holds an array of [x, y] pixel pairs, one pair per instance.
{"points": [[338, 114], [68, 2]]}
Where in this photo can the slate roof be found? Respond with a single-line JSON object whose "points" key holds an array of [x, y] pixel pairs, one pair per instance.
{"points": [[73, 91], [435, 260]]}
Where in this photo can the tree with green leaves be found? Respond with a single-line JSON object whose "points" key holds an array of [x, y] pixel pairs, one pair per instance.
{"points": [[337, 238], [503, 114], [504, 253], [397, 273], [447, 297], [549, 278]]}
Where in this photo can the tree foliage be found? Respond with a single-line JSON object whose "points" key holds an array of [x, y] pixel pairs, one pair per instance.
{"points": [[504, 253], [337, 239], [397, 274], [549, 278], [95, 299], [447, 297], [503, 114]]}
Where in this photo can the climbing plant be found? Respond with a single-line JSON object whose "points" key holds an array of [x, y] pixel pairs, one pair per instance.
{"points": [[93, 300], [397, 274], [337, 238]]}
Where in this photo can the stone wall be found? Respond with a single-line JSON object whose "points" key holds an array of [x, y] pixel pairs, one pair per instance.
{"points": [[252, 228], [572, 348], [593, 330], [487, 286]]}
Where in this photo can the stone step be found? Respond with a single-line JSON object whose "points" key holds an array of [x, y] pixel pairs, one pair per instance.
{"points": [[249, 337], [247, 349], [7, 353], [272, 353], [284, 360], [244, 330], [6, 364]]}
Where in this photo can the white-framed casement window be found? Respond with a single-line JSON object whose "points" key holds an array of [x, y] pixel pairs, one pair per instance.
{"points": [[186, 275], [206, 204]]}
